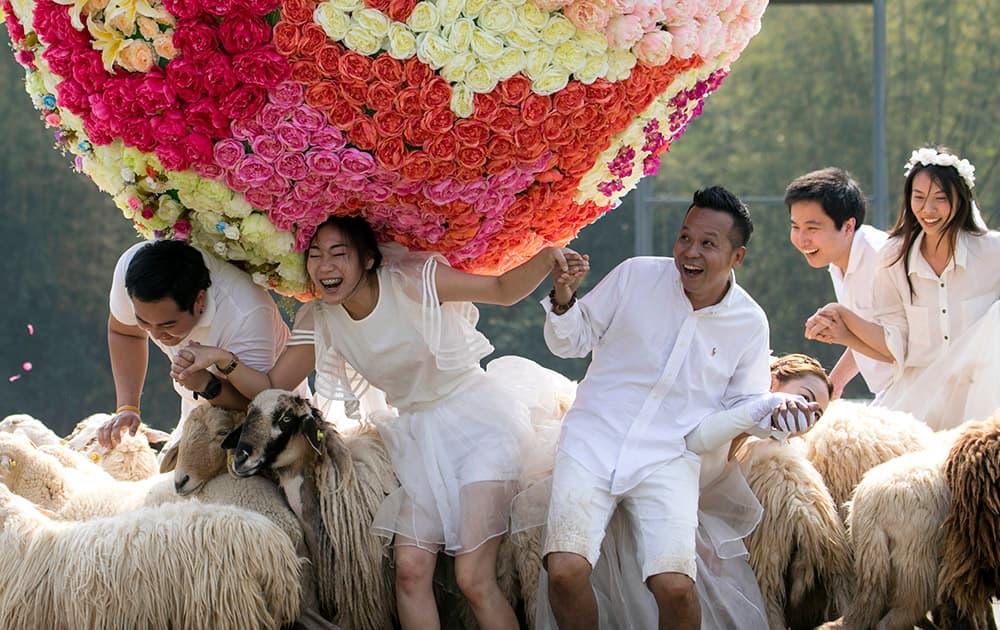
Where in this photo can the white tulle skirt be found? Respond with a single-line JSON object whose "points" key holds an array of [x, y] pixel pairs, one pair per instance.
{"points": [[961, 384], [727, 589], [462, 461]]}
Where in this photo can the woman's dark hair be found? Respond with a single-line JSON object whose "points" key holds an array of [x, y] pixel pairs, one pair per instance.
{"points": [[361, 236], [167, 269], [959, 195]]}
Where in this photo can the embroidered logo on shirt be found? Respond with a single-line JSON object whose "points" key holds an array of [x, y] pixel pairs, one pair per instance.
{"points": [[714, 350]]}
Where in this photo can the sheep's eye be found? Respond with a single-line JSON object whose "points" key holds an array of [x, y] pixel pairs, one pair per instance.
{"points": [[222, 433], [285, 419]]}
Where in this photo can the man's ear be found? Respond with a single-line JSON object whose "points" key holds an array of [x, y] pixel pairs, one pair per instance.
{"points": [[200, 301], [850, 225], [738, 255]]}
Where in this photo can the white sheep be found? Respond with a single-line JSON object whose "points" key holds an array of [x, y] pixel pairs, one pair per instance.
{"points": [[31, 427], [799, 551], [132, 459], [852, 438], [334, 484], [174, 566]]}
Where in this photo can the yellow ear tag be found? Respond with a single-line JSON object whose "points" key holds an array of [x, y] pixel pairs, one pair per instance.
{"points": [[64, 441], [13, 464], [229, 460], [94, 457], [319, 436]]}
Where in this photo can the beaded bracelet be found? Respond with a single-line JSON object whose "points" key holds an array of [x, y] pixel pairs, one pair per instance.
{"points": [[560, 309]]}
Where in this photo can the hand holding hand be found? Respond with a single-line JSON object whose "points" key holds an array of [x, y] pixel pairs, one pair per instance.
{"points": [[193, 359], [827, 325], [793, 414], [568, 269]]}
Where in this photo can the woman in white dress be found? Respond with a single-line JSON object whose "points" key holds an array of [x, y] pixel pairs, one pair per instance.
{"points": [[936, 313], [405, 324]]}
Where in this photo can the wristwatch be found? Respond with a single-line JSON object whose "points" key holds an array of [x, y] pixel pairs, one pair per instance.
{"points": [[233, 363], [212, 390]]}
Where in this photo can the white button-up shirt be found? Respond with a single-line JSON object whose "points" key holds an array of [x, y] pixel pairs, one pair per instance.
{"points": [[658, 367], [239, 316], [919, 327], [855, 289]]}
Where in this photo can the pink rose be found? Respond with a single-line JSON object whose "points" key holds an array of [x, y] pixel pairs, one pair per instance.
{"points": [[443, 192], [323, 161], [712, 37], [267, 147], [263, 67], [308, 119], [254, 170], [621, 7], [240, 33], [287, 95], [587, 16], [684, 39], [243, 103], [358, 163], [276, 185], [623, 32], [228, 152], [407, 187], [184, 78], [352, 183], [328, 138], [272, 115], [654, 49], [234, 182], [291, 165], [260, 199], [649, 12], [244, 128], [306, 194], [294, 138]]}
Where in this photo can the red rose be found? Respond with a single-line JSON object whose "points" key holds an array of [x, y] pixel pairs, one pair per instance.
{"points": [[194, 37], [169, 126], [218, 8], [306, 71], [442, 148], [472, 132], [514, 90], [328, 58], [353, 92], [416, 72], [390, 123], [472, 157], [73, 97], [181, 9], [313, 38], [437, 121], [486, 106], [507, 119], [262, 66], [322, 95], [217, 74], [535, 108], [570, 98], [415, 134], [342, 116], [389, 153], [184, 77], [297, 11], [257, 7], [206, 119], [530, 144], [380, 97], [86, 67], [407, 102], [240, 33], [286, 37], [378, 5], [416, 166], [467, 175], [153, 95], [435, 93], [400, 10], [140, 136], [387, 70], [363, 134], [355, 67]]}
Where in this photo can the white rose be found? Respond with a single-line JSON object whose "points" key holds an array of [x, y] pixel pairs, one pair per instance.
{"points": [[238, 207], [591, 41], [550, 81], [486, 45], [557, 30], [402, 43], [570, 56], [530, 15], [361, 41], [620, 64], [375, 22], [455, 68], [523, 37], [460, 34], [335, 23], [595, 68], [433, 50], [498, 17], [537, 61], [474, 7], [345, 5], [510, 62], [462, 100], [479, 79], [449, 10], [424, 17]]}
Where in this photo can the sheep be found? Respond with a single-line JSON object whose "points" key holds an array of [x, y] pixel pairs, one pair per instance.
{"points": [[970, 567], [851, 438], [335, 484], [31, 427], [132, 459], [172, 566], [799, 551]]}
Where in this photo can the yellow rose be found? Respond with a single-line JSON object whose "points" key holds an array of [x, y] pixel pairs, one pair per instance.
{"points": [[402, 42], [595, 68], [423, 18], [455, 68], [593, 42], [216, 192], [375, 22], [450, 10], [169, 209], [537, 61], [498, 17], [256, 227], [474, 7], [557, 30], [461, 100], [292, 266], [334, 21], [460, 34], [361, 41], [182, 180], [570, 56], [433, 50], [620, 64], [345, 5], [550, 81], [479, 79], [529, 14], [486, 45], [510, 62]]}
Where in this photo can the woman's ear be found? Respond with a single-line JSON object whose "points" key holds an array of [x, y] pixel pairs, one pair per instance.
{"points": [[774, 383]]}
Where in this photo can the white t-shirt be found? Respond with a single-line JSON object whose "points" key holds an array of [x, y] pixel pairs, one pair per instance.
{"points": [[855, 289], [658, 367], [239, 316]]}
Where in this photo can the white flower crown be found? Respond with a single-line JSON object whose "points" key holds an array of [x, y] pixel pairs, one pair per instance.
{"points": [[927, 156]]}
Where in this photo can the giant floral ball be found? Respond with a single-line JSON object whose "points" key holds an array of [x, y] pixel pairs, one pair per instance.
{"points": [[482, 129]]}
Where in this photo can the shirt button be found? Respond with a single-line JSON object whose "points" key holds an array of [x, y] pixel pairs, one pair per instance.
{"points": [[944, 310], [946, 337], [942, 285]]}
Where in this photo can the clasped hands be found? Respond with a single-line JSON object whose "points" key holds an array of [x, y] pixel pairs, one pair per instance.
{"points": [[786, 412], [827, 325]]}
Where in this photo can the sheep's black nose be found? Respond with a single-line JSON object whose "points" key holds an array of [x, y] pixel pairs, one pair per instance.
{"points": [[240, 456], [180, 483]]}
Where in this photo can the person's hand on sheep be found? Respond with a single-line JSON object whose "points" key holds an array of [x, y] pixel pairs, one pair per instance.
{"points": [[109, 434]]}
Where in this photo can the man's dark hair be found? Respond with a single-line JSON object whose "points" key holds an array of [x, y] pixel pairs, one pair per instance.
{"points": [[167, 269], [834, 190], [719, 199]]}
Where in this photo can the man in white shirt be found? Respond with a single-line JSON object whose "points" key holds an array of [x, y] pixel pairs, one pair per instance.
{"points": [[674, 341], [827, 213], [174, 294]]}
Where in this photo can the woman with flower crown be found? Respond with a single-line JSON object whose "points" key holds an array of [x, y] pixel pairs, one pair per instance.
{"points": [[462, 438], [937, 316]]}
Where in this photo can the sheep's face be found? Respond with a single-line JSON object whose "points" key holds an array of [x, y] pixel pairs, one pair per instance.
{"points": [[279, 429], [26, 470], [198, 456]]}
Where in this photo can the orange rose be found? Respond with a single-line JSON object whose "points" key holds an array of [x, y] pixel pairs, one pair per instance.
{"points": [[322, 95], [390, 152], [471, 132], [416, 165], [441, 170], [599, 92], [355, 67], [442, 148], [380, 97], [407, 102], [313, 38], [486, 106], [387, 70], [306, 71], [535, 108], [342, 116], [435, 93], [297, 11], [416, 72], [400, 10], [328, 59], [415, 134], [389, 123], [585, 118], [378, 5], [553, 126], [363, 134], [501, 148], [507, 119], [468, 175], [353, 92], [438, 121], [514, 90], [472, 158], [576, 163], [286, 37], [530, 144], [570, 98]]}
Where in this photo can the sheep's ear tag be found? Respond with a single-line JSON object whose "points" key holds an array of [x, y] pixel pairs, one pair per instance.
{"points": [[319, 436], [7, 462], [230, 458], [94, 457]]}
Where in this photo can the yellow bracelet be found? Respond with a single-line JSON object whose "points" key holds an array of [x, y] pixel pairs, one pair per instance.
{"points": [[132, 408]]}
